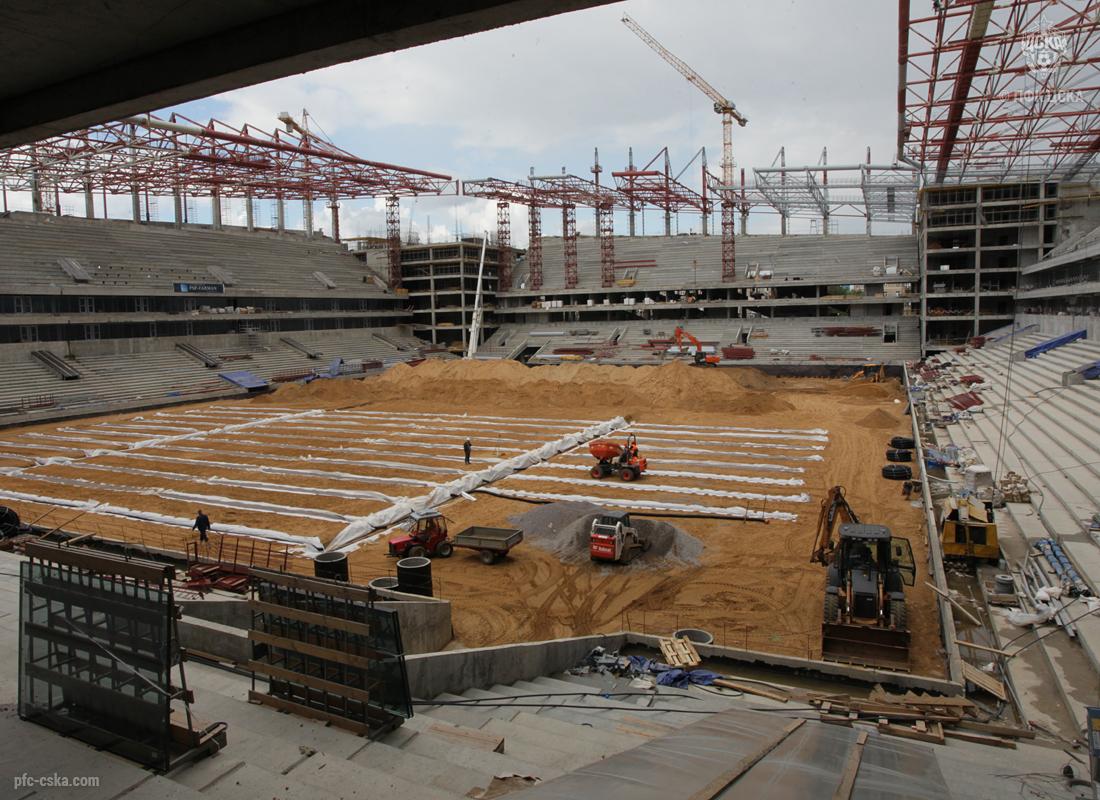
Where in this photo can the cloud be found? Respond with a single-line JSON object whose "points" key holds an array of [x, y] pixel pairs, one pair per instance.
{"points": [[544, 94]]}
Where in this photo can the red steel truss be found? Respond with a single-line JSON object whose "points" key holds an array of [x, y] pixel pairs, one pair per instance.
{"points": [[393, 239], [729, 251], [177, 154], [606, 226], [1000, 89], [569, 244], [534, 246], [523, 194], [504, 246], [657, 187], [571, 191]]}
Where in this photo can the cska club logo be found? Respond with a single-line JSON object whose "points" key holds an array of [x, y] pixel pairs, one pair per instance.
{"points": [[1044, 48]]}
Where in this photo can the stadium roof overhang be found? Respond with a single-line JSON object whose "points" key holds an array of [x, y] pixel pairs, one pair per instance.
{"points": [[65, 66], [1000, 90], [177, 155]]}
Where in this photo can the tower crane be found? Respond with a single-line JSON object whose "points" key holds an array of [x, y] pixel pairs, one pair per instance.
{"points": [[722, 106]]}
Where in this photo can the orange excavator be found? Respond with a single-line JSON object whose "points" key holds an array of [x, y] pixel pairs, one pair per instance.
{"points": [[700, 359]]}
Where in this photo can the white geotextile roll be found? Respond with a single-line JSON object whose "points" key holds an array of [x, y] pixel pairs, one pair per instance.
{"points": [[734, 512]]}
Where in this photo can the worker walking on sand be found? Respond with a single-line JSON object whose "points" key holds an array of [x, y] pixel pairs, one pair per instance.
{"points": [[202, 524], [466, 448]]}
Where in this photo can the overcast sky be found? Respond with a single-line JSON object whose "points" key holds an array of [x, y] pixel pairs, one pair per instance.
{"points": [[544, 94]]}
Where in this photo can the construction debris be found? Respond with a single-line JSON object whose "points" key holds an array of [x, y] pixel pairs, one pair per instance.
{"points": [[923, 718]]}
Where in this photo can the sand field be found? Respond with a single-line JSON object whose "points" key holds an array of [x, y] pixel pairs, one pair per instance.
{"points": [[300, 464]]}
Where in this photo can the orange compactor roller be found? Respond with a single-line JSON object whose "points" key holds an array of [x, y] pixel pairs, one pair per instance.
{"points": [[614, 458]]}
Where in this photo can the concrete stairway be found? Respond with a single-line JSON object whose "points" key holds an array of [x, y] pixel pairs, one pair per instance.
{"points": [[272, 754]]}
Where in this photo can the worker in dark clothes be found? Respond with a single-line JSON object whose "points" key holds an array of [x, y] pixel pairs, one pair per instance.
{"points": [[466, 448], [202, 524]]}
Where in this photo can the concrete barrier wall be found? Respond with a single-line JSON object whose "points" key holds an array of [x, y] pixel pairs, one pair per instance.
{"points": [[1058, 324], [458, 670], [425, 623], [455, 671]]}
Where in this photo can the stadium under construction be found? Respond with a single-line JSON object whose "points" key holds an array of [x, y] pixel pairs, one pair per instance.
{"points": [[702, 511]]}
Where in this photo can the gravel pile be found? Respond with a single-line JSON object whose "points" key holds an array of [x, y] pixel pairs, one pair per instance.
{"points": [[563, 528]]}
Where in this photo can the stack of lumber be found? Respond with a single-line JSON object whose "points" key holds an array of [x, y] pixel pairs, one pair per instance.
{"points": [[925, 718]]}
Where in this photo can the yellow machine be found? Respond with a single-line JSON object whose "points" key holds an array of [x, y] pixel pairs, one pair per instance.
{"points": [[969, 530], [875, 373]]}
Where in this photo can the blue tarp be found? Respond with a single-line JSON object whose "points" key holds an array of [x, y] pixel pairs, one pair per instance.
{"points": [[244, 379], [679, 678]]}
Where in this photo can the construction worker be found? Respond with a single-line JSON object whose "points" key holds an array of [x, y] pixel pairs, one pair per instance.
{"points": [[202, 524], [466, 448]]}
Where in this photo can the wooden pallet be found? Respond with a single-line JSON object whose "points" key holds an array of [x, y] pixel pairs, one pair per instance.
{"points": [[679, 653]]}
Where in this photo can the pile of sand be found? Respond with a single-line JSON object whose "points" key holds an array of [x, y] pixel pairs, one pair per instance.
{"points": [[579, 387], [878, 419], [563, 528]]}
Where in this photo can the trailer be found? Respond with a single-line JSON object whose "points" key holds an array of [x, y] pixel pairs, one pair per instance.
{"points": [[492, 544]]}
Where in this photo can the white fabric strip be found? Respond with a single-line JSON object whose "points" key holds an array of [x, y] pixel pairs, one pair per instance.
{"points": [[351, 494], [648, 426], [263, 468], [210, 500], [646, 487], [304, 543], [734, 512], [684, 473], [423, 414], [716, 476]]}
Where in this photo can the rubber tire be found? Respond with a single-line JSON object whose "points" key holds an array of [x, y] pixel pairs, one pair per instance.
{"points": [[444, 550], [487, 556], [899, 615], [899, 455], [416, 551], [628, 474], [902, 443], [831, 612], [897, 472], [597, 472]]}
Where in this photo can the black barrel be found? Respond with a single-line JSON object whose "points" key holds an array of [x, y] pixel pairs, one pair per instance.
{"points": [[384, 583], [333, 566], [414, 576], [694, 635]]}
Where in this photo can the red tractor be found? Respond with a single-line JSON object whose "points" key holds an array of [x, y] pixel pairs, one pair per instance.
{"points": [[428, 537], [615, 458]]}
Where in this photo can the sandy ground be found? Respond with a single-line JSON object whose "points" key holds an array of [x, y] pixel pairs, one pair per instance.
{"points": [[754, 586]]}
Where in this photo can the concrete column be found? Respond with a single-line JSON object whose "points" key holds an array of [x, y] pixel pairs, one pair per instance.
{"points": [[280, 215], [744, 223], [177, 208], [668, 223], [135, 202], [335, 220], [89, 201], [215, 210], [782, 224], [307, 216], [36, 193], [248, 223]]}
